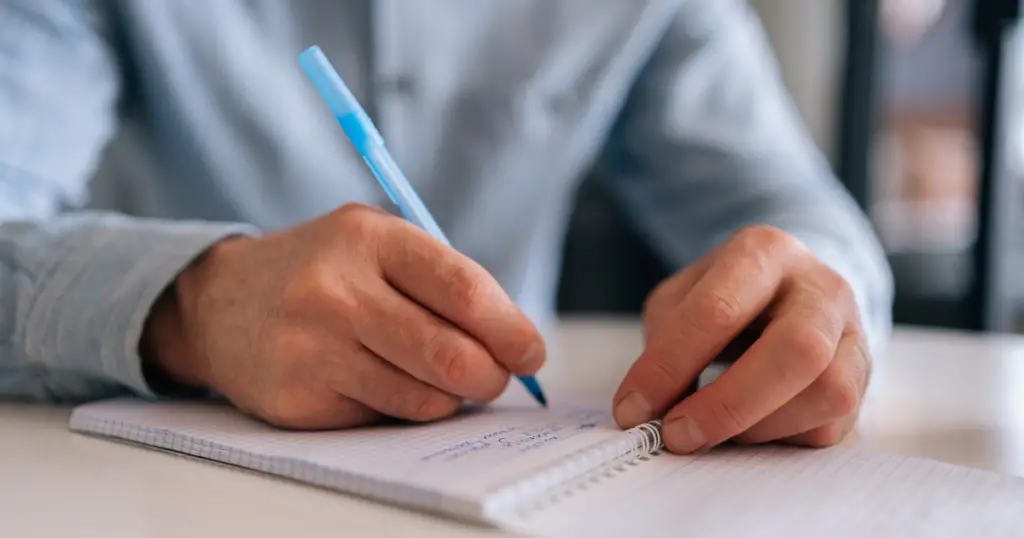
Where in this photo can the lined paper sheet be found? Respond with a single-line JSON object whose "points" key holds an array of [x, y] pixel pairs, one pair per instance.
{"points": [[466, 456], [451, 466], [790, 493]]}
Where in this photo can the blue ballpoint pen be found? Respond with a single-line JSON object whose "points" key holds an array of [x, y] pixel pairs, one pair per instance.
{"points": [[369, 143]]}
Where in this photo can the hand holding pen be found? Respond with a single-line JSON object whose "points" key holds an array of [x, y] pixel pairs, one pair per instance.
{"points": [[370, 145], [337, 322]]}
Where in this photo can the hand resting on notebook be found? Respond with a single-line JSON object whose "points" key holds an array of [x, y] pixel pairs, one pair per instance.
{"points": [[799, 380], [359, 314], [338, 321]]}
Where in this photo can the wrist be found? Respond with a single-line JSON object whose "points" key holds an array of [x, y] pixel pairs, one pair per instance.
{"points": [[172, 363], [169, 365]]}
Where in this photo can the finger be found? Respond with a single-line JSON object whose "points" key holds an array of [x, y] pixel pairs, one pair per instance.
{"points": [[379, 385], [430, 349], [462, 292], [667, 295], [827, 435], [731, 294], [795, 348], [834, 395], [303, 409]]}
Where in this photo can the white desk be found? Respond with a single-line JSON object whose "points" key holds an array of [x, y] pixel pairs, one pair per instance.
{"points": [[951, 397]]}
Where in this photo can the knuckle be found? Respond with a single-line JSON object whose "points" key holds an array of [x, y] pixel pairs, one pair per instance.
{"points": [[727, 418], [493, 392], [292, 347], [337, 295], [718, 311], [810, 347], [309, 282], [767, 245], [667, 372], [841, 393], [447, 356], [285, 409], [430, 405], [467, 291], [657, 296], [835, 282], [837, 287], [356, 210], [319, 289], [357, 220], [826, 436], [768, 238], [525, 350], [843, 399]]}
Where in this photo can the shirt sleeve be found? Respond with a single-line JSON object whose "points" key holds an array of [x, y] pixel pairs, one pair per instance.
{"points": [[75, 287], [709, 142]]}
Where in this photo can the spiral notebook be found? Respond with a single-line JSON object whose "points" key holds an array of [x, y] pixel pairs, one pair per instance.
{"points": [[568, 471]]}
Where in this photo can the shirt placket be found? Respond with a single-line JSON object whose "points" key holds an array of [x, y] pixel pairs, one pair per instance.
{"points": [[392, 80]]}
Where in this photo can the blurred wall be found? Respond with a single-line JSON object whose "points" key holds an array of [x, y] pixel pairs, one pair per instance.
{"points": [[809, 37]]}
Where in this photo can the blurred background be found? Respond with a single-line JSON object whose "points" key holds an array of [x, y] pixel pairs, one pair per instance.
{"points": [[915, 103]]}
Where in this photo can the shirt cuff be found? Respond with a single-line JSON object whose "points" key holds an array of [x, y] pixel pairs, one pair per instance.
{"points": [[90, 313]]}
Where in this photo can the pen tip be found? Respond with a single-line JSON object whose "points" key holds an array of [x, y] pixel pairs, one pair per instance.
{"points": [[533, 388]]}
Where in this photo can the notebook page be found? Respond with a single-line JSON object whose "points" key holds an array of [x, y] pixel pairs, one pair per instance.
{"points": [[790, 493], [465, 456]]}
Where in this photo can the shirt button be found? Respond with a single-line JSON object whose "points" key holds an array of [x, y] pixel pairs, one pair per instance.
{"points": [[403, 84], [561, 103]]}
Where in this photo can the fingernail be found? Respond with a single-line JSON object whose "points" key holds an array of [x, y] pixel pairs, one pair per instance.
{"points": [[633, 410], [683, 436]]}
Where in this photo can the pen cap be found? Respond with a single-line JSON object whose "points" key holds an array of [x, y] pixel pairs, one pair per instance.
{"points": [[339, 99]]}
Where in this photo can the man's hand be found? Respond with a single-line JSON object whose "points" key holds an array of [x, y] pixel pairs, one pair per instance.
{"points": [[339, 321], [800, 381]]}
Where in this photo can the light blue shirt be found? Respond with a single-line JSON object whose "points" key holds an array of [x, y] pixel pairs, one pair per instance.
{"points": [[134, 134]]}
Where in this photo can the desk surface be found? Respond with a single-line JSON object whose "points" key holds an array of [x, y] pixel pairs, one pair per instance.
{"points": [[951, 397]]}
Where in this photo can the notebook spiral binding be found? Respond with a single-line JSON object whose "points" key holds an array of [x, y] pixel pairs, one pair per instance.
{"points": [[546, 485]]}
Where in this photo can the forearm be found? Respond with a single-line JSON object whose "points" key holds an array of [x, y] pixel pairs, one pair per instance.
{"points": [[709, 143], [74, 289], [77, 291]]}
